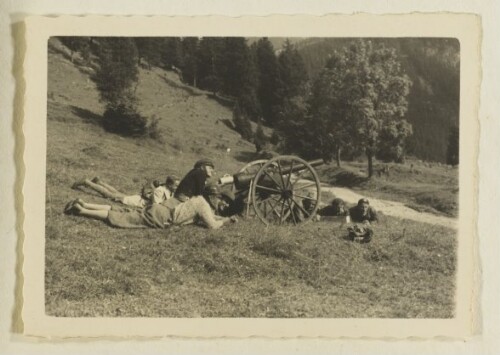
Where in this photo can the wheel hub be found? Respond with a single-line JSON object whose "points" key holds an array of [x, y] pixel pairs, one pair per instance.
{"points": [[287, 194]]}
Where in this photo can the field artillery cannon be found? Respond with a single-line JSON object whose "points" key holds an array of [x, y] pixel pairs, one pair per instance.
{"points": [[284, 189]]}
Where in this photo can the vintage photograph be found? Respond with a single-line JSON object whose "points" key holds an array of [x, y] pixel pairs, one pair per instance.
{"points": [[252, 177]]}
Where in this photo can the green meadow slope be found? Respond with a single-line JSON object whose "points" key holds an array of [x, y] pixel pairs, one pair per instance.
{"points": [[243, 270]]}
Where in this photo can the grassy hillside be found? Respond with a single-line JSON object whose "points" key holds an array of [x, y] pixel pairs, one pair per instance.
{"points": [[243, 270]]}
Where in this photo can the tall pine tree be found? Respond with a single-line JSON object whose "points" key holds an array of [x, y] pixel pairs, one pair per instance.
{"points": [[189, 65], [115, 79], [209, 63], [269, 84], [239, 75]]}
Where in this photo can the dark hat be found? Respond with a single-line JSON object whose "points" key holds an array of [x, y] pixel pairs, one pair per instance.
{"points": [[203, 162], [363, 200]]}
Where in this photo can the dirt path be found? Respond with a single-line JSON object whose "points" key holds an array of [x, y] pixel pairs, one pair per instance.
{"points": [[392, 208]]}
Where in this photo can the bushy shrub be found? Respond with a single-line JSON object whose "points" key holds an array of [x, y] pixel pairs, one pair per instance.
{"points": [[153, 129], [242, 124], [124, 119]]}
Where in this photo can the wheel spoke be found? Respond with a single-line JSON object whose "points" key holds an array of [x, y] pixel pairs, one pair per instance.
{"points": [[281, 174], [272, 178], [274, 206], [290, 175], [287, 214], [292, 212], [282, 210], [267, 202], [306, 197], [303, 186], [267, 189], [300, 207]]}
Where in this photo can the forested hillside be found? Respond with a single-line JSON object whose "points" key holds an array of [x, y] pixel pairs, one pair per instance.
{"points": [[433, 65], [276, 82]]}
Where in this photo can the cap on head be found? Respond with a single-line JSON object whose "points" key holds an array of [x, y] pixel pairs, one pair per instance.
{"points": [[363, 201], [203, 162]]}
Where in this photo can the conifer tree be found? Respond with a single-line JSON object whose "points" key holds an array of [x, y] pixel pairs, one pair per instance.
{"points": [[209, 63], [189, 63], [115, 78], [149, 50], [269, 84], [241, 123], [239, 76], [292, 71], [260, 139]]}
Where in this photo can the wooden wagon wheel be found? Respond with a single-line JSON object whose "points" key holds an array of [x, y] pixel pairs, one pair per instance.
{"points": [[279, 196], [251, 168]]}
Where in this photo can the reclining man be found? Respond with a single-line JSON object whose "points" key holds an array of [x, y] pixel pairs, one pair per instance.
{"points": [[193, 208], [151, 193]]}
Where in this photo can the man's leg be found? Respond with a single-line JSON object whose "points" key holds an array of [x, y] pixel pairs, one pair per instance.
{"points": [[108, 186], [93, 206], [97, 214], [101, 189]]}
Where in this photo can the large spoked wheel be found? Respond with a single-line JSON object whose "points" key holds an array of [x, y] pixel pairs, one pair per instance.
{"points": [[285, 190], [251, 168]]}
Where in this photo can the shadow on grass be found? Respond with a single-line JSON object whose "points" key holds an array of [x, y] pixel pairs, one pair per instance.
{"points": [[87, 115], [349, 179]]}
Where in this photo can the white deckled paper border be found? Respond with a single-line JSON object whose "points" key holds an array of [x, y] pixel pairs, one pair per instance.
{"points": [[466, 28]]}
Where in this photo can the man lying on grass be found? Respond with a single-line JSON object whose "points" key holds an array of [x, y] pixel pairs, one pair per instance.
{"points": [[188, 206], [363, 212], [171, 213], [154, 192]]}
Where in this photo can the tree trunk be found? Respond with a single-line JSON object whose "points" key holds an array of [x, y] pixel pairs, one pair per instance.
{"points": [[338, 156], [370, 164]]}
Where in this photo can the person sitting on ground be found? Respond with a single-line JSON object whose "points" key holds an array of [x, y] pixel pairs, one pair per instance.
{"points": [[193, 184], [336, 208], [169, 213], [151, 192], [362, 212]]}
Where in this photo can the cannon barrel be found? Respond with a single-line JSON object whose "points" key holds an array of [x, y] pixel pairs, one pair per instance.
{"points": [[242, 180]]}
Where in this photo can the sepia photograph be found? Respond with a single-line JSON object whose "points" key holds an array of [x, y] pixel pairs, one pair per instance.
{"points": [[252, 177]]}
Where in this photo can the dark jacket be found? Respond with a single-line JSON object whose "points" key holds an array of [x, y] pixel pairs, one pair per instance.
{"points": [[356, 214], [191, 185]]}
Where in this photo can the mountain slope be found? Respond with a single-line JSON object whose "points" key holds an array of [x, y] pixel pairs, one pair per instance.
{"points": [[191, 122]]}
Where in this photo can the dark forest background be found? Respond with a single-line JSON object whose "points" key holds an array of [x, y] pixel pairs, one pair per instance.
{"points": [[271, 82]]}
